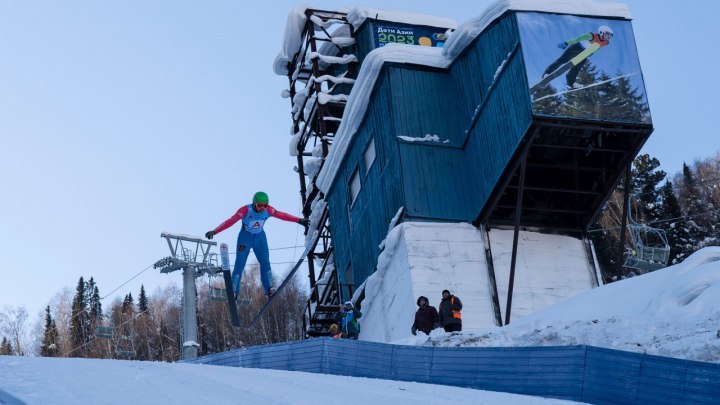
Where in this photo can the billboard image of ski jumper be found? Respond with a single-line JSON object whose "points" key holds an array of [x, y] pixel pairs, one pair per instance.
{"points": [[583, 67]]}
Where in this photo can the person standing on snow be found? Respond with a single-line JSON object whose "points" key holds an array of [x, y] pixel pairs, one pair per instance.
{"points": [[252, 236], [426, 317], [574, 47], [450, 308], [348, 317]]}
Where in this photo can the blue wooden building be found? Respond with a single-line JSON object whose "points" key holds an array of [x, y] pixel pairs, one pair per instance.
{"points": [[518, 119], [494, 140]]}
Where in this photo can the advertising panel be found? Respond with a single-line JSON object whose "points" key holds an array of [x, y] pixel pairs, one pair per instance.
{"points": [[425, 36], [583, 67]]}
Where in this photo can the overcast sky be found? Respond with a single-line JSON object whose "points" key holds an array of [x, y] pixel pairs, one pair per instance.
{"points": [[123, 119]]}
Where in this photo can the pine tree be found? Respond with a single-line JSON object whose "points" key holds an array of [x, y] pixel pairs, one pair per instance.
{"points": [[674, 225], [79, 321], [92, 298], [128, 305], [6, 348], [142, 300], [586, 103], [627, 102], [646, 178], [691, 202], [49, 347], [546, 103]]}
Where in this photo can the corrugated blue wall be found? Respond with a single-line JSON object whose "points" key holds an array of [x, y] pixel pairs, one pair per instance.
{"points": [[504, 110], [361, 226], [580, 373], [482, 112]]}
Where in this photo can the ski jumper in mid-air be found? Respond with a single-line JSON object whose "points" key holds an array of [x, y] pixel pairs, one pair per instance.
{"points": [[574, 47], [252, 236]]}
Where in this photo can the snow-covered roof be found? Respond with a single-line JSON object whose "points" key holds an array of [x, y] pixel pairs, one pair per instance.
{"points": [[357, 102], [356, 17], [439, 57], [471, 28]]}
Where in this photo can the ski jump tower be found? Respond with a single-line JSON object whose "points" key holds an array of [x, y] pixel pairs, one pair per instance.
{"points": [[400, 113]]}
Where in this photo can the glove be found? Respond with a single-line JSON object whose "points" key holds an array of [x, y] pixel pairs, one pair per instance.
{"points": [[413, 330], [563, 45], [304, 222], [209, 234]]}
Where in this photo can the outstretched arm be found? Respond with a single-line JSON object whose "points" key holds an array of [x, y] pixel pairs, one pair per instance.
{"points": [[282, 215], [240, 214], [584, 37]]}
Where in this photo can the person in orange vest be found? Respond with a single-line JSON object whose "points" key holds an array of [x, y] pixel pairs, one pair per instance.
{"points": [[450, 308]]}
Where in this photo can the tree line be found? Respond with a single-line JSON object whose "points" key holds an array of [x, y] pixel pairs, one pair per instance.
{"points": [[77, 324], [685, 205]]}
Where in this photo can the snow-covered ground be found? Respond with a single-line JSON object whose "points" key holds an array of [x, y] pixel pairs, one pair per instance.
{"points": [[672, 312], [425, 258], [36, 380]]}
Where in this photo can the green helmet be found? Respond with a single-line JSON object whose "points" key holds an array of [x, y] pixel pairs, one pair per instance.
{"points": [[261, 197]]}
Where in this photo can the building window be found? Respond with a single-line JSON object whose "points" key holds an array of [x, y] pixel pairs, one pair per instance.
{"points": [[354, 186], [369, 154]]}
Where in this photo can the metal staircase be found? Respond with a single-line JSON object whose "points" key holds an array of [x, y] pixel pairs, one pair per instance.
{"points": [[320, 74]]}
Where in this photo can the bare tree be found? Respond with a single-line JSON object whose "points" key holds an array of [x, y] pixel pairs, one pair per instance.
{"points": [[13, 323]]}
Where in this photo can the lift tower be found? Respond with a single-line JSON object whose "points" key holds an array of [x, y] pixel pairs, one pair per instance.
{"points": [[192, 256]]}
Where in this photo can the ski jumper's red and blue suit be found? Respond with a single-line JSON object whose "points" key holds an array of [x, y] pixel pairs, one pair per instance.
{"points": [[252, 236]]}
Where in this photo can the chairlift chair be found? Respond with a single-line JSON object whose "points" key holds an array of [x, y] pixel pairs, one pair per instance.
{"points": [[125, 347], [104, 332], [650, 250], [217, 289]]}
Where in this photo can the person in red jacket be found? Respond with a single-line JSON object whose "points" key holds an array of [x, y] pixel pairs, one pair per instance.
{"points": [[252, 236], [426, 317]]}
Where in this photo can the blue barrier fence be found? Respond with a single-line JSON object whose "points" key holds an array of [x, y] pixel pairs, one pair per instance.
{"points": [[580, 373]]}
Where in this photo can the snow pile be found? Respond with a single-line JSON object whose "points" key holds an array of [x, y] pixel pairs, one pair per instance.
{"points": [[426, 138], [37, 380], [424, 259], [672, 312], [549, 269], [296, 23], [358, 15]]}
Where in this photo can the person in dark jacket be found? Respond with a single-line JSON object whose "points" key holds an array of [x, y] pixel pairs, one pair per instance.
{"points": [[348, 318], [450, 308], [426, 317]]}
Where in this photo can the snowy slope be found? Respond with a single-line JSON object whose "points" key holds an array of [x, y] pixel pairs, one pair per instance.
{"points": [[549, 269], [83, 381], [672, 312], [423, 258]]}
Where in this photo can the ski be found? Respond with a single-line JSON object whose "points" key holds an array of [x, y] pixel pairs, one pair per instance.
{"points": [[586, 87], [566, 66], [285, 282], [232, 305]]}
